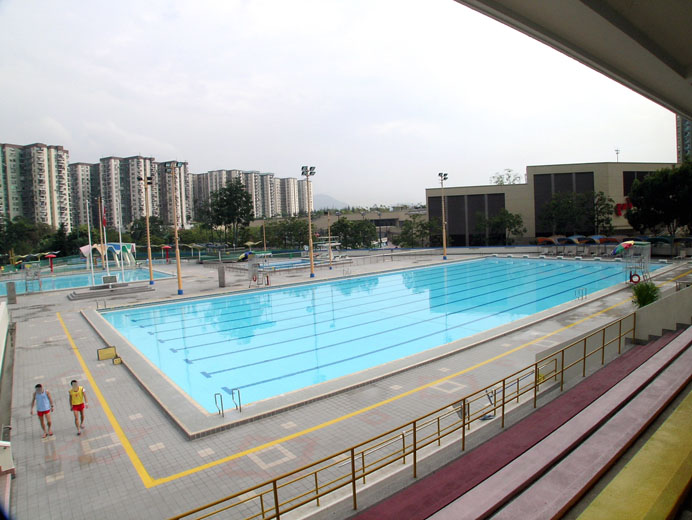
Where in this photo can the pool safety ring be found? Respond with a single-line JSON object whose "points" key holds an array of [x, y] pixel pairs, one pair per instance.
{"points": [[634, 278]]}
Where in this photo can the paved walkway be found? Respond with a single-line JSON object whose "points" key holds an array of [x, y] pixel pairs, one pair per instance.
{"points": [[133, 461]]}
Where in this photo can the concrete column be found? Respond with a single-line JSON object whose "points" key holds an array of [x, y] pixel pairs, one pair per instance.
{"points": [[222, 276], [11, 293]]}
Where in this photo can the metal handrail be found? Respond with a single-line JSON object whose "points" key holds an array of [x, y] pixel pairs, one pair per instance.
{"points": [[239, 404], [341, 469], [216, 402]]}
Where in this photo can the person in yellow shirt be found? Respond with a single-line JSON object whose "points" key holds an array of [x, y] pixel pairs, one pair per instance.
{"points": [[78, 401]]}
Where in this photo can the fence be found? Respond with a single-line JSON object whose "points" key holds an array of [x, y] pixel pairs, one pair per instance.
{"points": [[347, 469]]}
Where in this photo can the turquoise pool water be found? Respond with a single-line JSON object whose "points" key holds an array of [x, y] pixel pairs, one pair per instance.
{"points": [[72, 281], [270, 342]]}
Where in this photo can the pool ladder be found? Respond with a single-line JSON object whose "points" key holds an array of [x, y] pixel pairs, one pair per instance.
{"points": [[218, 397], [239, 404], [580, 293]]}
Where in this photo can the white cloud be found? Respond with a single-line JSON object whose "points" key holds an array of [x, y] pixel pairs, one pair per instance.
{"points": [[383, 93]]}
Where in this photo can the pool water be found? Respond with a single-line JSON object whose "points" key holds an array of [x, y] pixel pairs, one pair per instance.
{"points": [[270, 342], [52, 282]]}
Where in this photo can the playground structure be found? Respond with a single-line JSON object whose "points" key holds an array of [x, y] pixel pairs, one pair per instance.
{"points": [[126, 255]]}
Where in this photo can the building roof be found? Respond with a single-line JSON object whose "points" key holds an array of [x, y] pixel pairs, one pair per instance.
{"points": [[643, 45]]}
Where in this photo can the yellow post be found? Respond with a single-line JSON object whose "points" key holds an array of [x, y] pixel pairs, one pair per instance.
{"points": [[146, 218], [329, 240], [174, 167], [264, 234], [308, 172], [443, 178]]}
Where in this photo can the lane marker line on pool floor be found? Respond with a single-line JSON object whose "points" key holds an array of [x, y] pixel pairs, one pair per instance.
{"points": [[149, 481]]}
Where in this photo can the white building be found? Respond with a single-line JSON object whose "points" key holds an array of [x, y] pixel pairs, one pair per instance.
{"points": [[35, 184], [288, 197], [84, 187]]}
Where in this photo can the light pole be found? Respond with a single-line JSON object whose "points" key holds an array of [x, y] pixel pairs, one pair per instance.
{"points": [[443, 178], [309, 171], [172, 167], [379, 227], [329, 240], [147, 183]]}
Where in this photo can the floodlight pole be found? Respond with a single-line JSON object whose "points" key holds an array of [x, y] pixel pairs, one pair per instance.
{"points": [[329, 240], [309, 171], [173, 169], [443, 178], [147, 182]]}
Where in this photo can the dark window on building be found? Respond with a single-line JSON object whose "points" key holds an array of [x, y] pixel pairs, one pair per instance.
{"points": [[628, 179], [456, 221], [456, 217], [476, 205], [542, 189], [583, 182], [563, 182]]}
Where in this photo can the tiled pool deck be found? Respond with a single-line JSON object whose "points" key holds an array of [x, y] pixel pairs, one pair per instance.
{"points": [[134, 461]]}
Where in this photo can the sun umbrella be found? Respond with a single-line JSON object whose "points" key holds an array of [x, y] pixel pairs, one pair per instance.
{"points": [[622, 246], [51, 256]]}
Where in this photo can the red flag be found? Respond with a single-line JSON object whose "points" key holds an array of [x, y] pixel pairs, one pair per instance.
{"points": [[103, 218]]}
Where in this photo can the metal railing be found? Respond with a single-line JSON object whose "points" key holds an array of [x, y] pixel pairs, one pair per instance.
{"points": [[407, 442]]}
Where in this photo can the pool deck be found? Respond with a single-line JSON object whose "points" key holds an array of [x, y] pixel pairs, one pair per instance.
{"points": [[134, 461]]}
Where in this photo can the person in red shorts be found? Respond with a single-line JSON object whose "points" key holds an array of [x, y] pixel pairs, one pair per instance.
{"points": [[78, 401], [44, 406]]}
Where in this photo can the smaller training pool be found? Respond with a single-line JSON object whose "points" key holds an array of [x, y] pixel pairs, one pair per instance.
{"points": [[48, 282]]}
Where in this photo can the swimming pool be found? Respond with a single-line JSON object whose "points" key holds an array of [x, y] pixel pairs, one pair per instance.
{"points": [[270, 342], [51, 282]]}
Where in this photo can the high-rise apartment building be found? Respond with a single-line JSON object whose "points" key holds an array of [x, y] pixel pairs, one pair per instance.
{"points": [[180, 191], [270, 196], [35, 184], [269, 203], [251, 183], [288, 196], [304, 195], [133, 173], [684, 138], [11, 203], [204, 184], [110, 189], [84, 188]]}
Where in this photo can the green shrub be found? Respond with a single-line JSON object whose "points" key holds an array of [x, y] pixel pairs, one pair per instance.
{"points": [[645, 293]]}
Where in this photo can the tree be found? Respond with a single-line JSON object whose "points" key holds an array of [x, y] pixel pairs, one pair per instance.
{"points": [[506, 176], [204, 216], [569, 213], [23, 236], [354, 233], [600, 211], [417, 232], [364, 233], [662, 199], [498, 228], [159, 233], [231, 207]]}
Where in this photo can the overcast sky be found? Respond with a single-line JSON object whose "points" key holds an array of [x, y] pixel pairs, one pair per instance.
{"points": [[379, 95]]}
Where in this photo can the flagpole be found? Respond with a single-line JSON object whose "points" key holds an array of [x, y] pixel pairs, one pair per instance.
{"points": [[100, 220], [120, 238], [91, 255]]}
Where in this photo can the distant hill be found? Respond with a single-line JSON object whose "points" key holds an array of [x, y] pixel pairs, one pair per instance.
{"points": [[321, 201]]}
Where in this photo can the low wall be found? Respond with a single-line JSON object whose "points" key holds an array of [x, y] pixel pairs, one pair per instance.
{"points": [[673, 308], [666, 313]]}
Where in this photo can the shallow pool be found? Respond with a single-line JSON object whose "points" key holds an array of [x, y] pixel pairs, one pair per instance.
{"points": [[48, 282], [270, 342]]}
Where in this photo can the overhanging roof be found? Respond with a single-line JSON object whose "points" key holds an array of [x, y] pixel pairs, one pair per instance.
{"points": [[643, 44]]}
